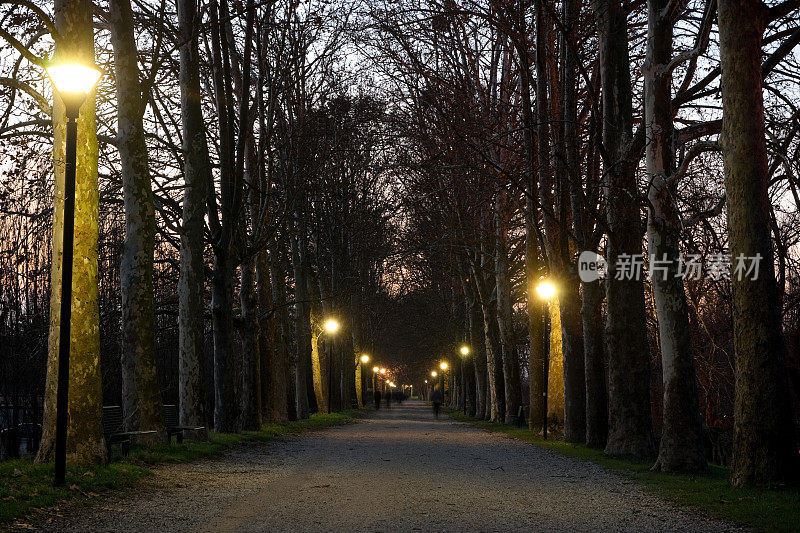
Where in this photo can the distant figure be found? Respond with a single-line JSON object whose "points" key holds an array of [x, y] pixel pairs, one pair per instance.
{"points": [[437, 398], [388, 399], [377, 399]]}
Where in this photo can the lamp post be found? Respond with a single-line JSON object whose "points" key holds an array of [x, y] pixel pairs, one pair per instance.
{"points": [[73, 82], [362, 381], [464, 353], [331, 326], [443, 365], [546, 292]]}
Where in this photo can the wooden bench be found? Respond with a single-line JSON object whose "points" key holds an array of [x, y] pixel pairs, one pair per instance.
{"points": [[173, 428], [114, 429]]}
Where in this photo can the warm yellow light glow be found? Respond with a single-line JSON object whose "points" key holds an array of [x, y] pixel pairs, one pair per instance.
{"points": [[365, 358], [426, 381], [465, 350], [383, 370], [376, 369], [434, 374], [73, 78], [443, 366], [331, 325], [546, 290]]}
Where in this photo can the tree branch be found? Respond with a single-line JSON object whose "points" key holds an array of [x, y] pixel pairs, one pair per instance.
{"points": [[40, 100]]}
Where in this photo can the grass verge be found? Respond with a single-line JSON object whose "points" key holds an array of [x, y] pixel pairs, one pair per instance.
{"points": [[27, 486], [775, 509]]}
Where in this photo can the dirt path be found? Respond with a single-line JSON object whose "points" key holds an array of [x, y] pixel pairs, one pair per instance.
{"points": [[395, 471]]}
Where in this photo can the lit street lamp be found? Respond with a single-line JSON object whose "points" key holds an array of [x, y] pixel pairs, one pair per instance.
{"points": [[443, 365], [547, 292], [73, 82], [464, 353], [331, 326]]}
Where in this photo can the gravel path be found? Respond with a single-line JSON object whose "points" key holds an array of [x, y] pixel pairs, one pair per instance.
{"points": [[396, 470]]}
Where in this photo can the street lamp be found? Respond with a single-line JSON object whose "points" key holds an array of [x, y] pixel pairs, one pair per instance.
{"points": [[546, 291], [331, 326], [443, 365], [73, 82], [464, 353], [365, 359], [434, 374]]}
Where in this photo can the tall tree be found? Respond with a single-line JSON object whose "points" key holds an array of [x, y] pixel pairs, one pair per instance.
{"points": [[191, 327], [85, 443], [681, 446], [141, 392], [630, 429], [763, 440]]}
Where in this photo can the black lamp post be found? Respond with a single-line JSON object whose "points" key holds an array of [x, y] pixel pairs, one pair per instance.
{"points": [[73, 83], [546, 291]]}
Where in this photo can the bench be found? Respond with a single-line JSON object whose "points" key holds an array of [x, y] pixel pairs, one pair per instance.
{"points": [[519, 419], [173, 428], [114, 429]]}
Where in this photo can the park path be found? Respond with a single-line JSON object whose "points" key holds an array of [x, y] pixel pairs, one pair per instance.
{"points": [[397, 470]]}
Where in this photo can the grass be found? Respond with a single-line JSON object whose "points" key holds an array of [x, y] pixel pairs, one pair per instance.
{"points": [[27, 487], [767, 509]]}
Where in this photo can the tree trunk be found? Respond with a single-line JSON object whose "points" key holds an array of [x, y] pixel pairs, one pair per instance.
{"points": [[141, 392], [191, 327], [283, 334], [763, 440], [250, 388], [477, 345], [494, 352], [302, 329], [273, 363], [225, 416], [85, 443], [505, 327], [630, 429], [595, 368], [681, 448]]}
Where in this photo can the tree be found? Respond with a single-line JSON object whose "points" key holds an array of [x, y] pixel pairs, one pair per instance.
{"points": [[85, 443], [630, 430], [763, 440], [191, 327], [141, 392]]}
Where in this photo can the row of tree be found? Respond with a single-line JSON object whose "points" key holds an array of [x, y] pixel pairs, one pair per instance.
{"points": [[413, 169], [540, 130]]}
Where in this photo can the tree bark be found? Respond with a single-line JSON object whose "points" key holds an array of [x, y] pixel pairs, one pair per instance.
{"points": [[630, 429], [141, 392], [250, 406], [273, 361], [763, 440], [681, 448], [85, 443], [191, 305], [302, 329]]}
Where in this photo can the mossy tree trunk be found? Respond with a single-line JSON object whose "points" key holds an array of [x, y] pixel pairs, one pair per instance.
{"points": [[763, 440], [85, 443], [141, 392]]}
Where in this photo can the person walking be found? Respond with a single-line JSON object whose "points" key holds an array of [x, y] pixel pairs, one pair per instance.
{"points": [[437, 398], [377, 399]]}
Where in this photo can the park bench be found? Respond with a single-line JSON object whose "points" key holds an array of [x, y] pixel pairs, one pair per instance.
{"points": [[114, 429], [519, 419], [173, 427]]}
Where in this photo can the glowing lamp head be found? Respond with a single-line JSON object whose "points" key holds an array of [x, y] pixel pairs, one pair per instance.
{"points": [[376, 369], [464, 350], [443, 366], [73, 82], [331, 326], [546, 290], [365, 359], [426, 381], [383, 371], [434, 374]]}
